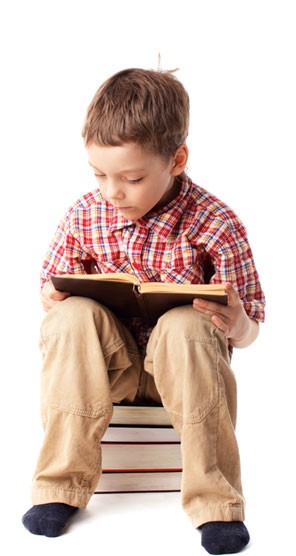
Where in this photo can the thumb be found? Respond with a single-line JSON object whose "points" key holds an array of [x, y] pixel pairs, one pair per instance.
{"points": [[233, 297]]}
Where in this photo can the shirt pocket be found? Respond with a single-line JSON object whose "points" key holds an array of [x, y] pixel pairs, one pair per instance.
{"points": [[182, 263]]}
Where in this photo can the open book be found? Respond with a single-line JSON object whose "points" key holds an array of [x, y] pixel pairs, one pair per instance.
{"points": [[126, 297]]}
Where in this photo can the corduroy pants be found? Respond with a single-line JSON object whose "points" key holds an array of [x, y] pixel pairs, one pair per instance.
{"points": [[90, 360]]}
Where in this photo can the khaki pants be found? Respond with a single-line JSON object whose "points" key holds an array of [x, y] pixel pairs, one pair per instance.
{"points": [[91, 360]]}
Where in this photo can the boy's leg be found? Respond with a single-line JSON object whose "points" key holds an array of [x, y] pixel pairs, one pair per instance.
{"points": [[188, 357], [89, 360]]}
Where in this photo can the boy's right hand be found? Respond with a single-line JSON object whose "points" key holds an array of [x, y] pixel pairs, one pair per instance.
{"points": [[50, 296]]}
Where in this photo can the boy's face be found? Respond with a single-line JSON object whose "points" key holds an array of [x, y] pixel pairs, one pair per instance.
{"points": [[133, 180]]}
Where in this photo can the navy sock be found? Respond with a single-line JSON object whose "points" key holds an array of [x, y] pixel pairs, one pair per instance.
{"points": [[224, 537], [48, 519]]}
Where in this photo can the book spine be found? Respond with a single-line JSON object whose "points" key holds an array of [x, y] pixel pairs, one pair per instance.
{"points": [[141, 304]]}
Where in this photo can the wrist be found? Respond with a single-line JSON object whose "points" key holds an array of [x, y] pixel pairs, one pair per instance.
{"points": [[249, 335]]}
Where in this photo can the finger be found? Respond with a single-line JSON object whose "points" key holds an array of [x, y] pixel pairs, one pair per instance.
{"points": [[220, 324], [50, 300], [59, 296], [210, 307], [233, 297]]}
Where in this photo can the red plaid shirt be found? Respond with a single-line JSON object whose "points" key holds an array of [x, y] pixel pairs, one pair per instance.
{"points": [[195, 239]]}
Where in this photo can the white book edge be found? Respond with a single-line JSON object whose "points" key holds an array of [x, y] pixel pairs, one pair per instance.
{"points": [[140, 414], [140, 434], [140, 482], [141, 456]]}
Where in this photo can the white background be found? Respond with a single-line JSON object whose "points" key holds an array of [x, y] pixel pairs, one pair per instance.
{"points": [[237, 61]]}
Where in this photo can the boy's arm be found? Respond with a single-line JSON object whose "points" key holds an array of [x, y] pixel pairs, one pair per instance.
{"points": [[232, 319], [65, 253]]}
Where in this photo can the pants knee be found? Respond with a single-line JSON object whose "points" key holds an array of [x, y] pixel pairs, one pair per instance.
{"points": [[186, 322], [70, 313]]}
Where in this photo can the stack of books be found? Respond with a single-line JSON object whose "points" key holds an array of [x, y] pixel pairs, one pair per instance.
{"points": [[141, 451]]}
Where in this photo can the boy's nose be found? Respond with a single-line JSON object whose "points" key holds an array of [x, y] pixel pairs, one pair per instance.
{"points": [[114, 191]]}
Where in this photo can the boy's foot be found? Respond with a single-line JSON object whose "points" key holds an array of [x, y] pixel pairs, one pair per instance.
{"points": [[48, 519], [224, 537]]}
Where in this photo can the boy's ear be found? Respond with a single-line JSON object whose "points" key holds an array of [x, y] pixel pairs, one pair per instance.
{"points": [[180, 160]]}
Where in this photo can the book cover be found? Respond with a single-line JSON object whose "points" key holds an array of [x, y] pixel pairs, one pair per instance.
{"points": [[126, 297]]}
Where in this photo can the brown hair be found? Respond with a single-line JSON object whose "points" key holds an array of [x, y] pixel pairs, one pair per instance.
{"points": [[147, 107]]}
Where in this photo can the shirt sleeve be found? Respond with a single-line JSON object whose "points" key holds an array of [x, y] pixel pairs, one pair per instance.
{"points": [[64, 255], [233, 262]]}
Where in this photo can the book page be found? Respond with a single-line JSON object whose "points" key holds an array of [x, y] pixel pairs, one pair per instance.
{"points": [[166, 287], [112, 276]]}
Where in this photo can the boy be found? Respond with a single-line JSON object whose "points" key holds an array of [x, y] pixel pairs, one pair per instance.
{"points": [[146, 217]]}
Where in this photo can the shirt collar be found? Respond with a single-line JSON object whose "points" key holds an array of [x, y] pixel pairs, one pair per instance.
{"points": [[161, 221]]}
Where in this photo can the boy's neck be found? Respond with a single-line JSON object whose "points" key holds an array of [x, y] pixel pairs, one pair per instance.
{"points": [[171, 194]]}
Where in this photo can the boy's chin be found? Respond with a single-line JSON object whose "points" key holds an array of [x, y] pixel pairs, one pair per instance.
{"points": [[130, 213]]}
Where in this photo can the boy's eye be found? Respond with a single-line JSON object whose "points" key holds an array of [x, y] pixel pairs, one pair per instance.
{"points": [[100, 175], [135, 181]]}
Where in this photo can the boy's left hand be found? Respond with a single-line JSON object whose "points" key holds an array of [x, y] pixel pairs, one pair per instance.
{"points": [[232, 319]]}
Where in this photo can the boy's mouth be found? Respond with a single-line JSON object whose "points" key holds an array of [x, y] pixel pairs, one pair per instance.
{"points": [[123, 208]]}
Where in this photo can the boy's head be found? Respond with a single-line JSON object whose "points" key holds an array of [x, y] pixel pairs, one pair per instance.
{"points": [[145, 107]]}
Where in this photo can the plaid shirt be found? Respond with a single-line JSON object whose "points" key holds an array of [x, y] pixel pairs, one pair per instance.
{"points": [[194, 239]]}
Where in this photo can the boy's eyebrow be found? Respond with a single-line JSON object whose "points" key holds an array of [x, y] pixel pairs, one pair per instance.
{"points": [[125, 170]]}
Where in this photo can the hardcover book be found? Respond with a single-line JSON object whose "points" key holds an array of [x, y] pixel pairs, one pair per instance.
{"points": [[131, 457], [165, 481], [126, 297]]}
